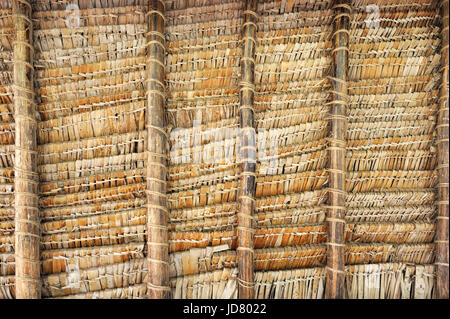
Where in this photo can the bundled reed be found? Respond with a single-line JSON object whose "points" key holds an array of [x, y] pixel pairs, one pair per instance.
{"points": [[390, 281], [292, 61]]}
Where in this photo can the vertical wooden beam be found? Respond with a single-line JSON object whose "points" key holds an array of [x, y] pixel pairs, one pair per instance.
{"points": [[441, 240], [27, 220], [245, 253], [337, 151], [157, 206]]}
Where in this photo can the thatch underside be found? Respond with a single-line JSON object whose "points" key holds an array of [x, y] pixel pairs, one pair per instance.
{"points": [[92, 138]]}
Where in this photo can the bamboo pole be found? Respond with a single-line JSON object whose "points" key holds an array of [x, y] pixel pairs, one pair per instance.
{"points": [[442, 276], [245, 253], [157, 209], [27, 220], [337, 147]]}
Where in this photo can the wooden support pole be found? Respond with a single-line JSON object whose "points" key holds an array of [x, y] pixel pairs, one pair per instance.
{"points": [[27, 219], [157, 209], [337, 151], [245, 253], [441, 240]]}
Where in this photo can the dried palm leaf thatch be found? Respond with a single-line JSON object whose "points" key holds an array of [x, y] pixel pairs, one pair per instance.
{"points": [[60, 261], [306, 283], [200, 260], [7, 287], [219, 284], [92, 135], [382, 253], [389, 281], [138, 291], [292, 64], [77, 281], [391, 154], [90, 83]]}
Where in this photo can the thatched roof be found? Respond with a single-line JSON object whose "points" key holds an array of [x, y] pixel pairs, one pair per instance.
{"points": [[92, 137]]}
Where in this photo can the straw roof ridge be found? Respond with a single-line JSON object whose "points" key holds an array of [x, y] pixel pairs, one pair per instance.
{"points": [[61, 213]]}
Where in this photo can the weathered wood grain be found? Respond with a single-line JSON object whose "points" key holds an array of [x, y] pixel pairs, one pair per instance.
{"points": [[27, 219], [157, 209]]}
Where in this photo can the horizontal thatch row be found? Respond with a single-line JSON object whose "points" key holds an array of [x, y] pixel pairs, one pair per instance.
{"points": [[64, 41], [130, 81], [93, 182], [203, 218], [388, 198], [7, 287], [281, 6], [104, 221], [393, 89], [51, 5], [220, 284], [389, 281], [126, 192], [413, 160], [138, 291], [60, 19], [60, 261], [206, 195], [367, 181], [293, 216], [390, 232], [202, 75], [7, 264], [205, 29], [181, 113], [306, 283], [78, 73], [87, 167], [395, 5], [95, 147], [372, 281], [111, 204], [310, 18], [394, 214], [363, 281], [91, 238], [290, 200], [63, 108], [393, 143], [383, 253], [264, 237], [200, 260]]}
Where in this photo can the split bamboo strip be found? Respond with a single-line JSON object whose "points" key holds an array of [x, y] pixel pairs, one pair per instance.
{"points": [[245, 227], [336, 210], [27, 220], [442, 276], [157, 210]]}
